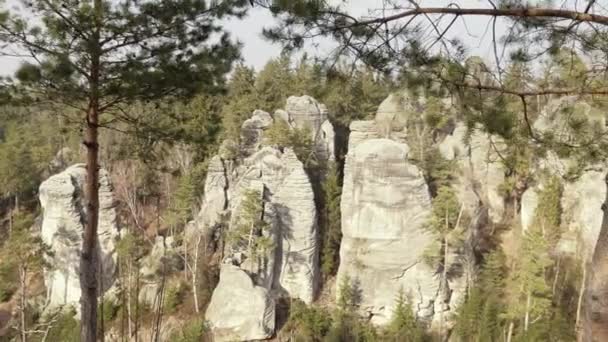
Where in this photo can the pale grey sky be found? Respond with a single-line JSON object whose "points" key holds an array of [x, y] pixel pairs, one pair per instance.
{"points": [[257, 51]]}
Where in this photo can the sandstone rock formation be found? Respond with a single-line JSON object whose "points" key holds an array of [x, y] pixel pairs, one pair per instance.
{"points": [[240, 310], [385, 203], [480, 169], [291, 268], [304, 112], [61, 198]]}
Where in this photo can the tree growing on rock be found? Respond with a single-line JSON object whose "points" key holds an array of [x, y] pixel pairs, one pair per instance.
{"points": [[96, 56], [332, 233], [251, 234]]}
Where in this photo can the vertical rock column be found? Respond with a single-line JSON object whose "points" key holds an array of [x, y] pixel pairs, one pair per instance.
{"points": [[385, 204], [62, 202]]}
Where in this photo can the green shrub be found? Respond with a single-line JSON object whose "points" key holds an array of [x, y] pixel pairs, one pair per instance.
{"points": [[193, 331], [8, 281], [110, 310], [308, 323], [66, 328], [174, 296]]}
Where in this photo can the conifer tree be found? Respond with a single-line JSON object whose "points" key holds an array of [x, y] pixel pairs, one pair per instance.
{"points": [[275, 83], [241, 100], [97, 55], [404, 327], [333, 233], [251, 232]]}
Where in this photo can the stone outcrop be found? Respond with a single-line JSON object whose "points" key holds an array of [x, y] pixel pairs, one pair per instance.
{"points": [[240, 310], [61, 198], [385, 203], [480, 168], [290, 269], [305, 112]]}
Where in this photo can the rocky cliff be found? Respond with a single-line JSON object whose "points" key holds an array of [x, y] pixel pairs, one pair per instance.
{"points": [[62, 201], [290, 267]]}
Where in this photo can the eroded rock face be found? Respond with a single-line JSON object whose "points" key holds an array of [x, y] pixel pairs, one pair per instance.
{"points": [[305, 112], [385, 203], [297, 216], [289, 269], [392, 114], [480, 170], [61, 198], [240, 310]]}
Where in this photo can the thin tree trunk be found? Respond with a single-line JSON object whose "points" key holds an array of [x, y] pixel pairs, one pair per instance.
{"points": [[527, 316], [129, 299], [559, 259], [194, 273], [22, 275], [88, 256], [137, 307], [510, 332], [581, 295]]}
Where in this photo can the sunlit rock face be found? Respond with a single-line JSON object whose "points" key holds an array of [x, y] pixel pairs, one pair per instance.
{"points": [[64, 215], [385, 203], [291, 268], [240, 310]]}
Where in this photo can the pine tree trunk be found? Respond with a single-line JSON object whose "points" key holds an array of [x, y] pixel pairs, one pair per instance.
{"points": [[88, 256], [22, 275]]}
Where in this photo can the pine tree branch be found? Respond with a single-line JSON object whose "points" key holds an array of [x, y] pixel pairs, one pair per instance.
{"points": [[524, 12]]}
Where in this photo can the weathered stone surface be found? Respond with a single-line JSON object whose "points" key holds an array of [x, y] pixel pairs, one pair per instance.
{"points": [[239, 310], [252, 131], [215, 200], [297, 216], [392, 114], [361, 131], [529, 202], [385, 203], [291, 267], [582, 215], [61, 198], [481, 171], [306, 112]]}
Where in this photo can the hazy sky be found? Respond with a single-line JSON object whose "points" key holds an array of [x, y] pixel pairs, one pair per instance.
{"points": [[256, 51]]}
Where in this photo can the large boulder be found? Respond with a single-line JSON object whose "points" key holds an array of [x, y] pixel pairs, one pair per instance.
{"points": [[239, 310], [385, 204], [64, 215]]}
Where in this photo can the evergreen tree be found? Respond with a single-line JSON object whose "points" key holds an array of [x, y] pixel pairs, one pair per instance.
{"points": [[251, 232], [98, 55], [275, 83], [531, 299], [332, 234], [404, 326], [241, 100]]}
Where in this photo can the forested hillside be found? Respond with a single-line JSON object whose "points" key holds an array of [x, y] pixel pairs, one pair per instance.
{"points": [[353, 199]]}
